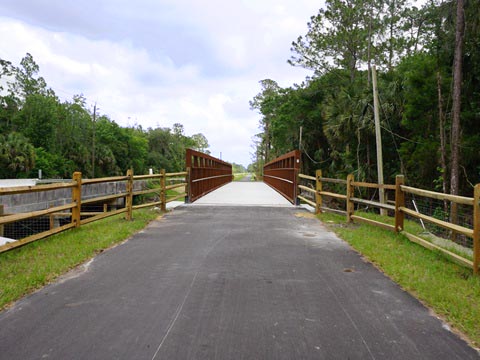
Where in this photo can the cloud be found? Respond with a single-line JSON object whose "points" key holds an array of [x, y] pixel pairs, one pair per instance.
{"points": [[197, 63]]}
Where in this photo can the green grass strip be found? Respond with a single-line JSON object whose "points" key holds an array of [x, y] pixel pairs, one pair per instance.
{"points": [[34, 265], [450, 290]]}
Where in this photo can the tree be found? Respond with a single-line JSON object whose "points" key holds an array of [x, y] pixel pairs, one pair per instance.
{"points": [[201, 143], [26, 80], [456, 105], [338, 36], [17, 155]]}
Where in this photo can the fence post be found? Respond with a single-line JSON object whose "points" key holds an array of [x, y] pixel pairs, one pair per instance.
{"points": [[163, 191], [187, 187], [399, 202], [1, 213], [476, 229], [318, 188], [350, 194], [51, 219], [129, 197], [77, 198]]}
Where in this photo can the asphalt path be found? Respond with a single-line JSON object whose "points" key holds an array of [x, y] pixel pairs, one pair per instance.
{"points": [[227, 283]]}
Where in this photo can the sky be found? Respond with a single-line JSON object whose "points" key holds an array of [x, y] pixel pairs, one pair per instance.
{"points": [[158, 62]]}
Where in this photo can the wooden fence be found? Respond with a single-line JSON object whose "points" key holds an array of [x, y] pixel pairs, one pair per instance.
{"points": [[398, 208], [156, 186]]}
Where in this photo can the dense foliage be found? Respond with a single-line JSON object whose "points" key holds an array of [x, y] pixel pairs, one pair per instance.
{"points": [[413, 50], [38, 131]]}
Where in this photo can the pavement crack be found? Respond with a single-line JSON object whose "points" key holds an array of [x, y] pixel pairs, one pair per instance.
{"points": [[177, 314]]}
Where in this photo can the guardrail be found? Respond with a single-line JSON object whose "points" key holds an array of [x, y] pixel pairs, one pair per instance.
{"points": [[397, 211], [100, 207], [281, 174], [206, 173]]}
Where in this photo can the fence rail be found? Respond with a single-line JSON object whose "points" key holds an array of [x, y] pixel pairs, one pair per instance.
{"points": [[153, 193], [206, 173], [397, 212]]}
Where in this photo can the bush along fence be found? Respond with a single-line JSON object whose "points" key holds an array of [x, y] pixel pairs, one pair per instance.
{"points": [[346, 196], [44, 210]]}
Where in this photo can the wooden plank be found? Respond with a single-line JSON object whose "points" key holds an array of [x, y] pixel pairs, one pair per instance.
{"points": [[147, 191], [439, 196], [373, 203], [335, 211], [103, 198], [308, 177], [373, 185], [457, 258], [103, 216], [23, 216], [147, 205], [334, 195], [143, 177], [175, 186], [307, 201], [32, 238], [104, 180], [306, 188], [373, 222], [459, 229], [176, 197], [336, 181], [35, 188], [182, 173]]}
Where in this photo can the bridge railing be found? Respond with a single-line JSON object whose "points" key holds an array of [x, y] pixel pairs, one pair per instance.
{"points": [[282, 173], [347, 196], [90, 200], [205, 173]]}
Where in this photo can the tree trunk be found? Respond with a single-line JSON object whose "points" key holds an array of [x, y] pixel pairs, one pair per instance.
{"points": [[443, 145], [456, 105]]}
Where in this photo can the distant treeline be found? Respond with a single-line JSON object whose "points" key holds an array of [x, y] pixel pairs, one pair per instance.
{"points": [[38, 131], [430, 113]]}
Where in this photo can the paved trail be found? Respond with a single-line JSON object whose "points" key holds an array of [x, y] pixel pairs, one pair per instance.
{"points": [[227, 283]]}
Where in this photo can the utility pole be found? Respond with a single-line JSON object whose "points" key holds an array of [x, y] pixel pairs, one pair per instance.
{"points": [[93, 145], [378, 136], [300, 141]]}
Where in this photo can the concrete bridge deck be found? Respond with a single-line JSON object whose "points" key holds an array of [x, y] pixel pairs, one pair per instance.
{"points": [[227, 282], [244, 193]]}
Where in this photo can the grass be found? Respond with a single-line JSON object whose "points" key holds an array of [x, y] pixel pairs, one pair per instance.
{"points": [[239, 176], [450, 290], [32, 266]]}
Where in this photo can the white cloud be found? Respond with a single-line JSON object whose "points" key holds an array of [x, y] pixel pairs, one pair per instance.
{"points": [[202, 75]]}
